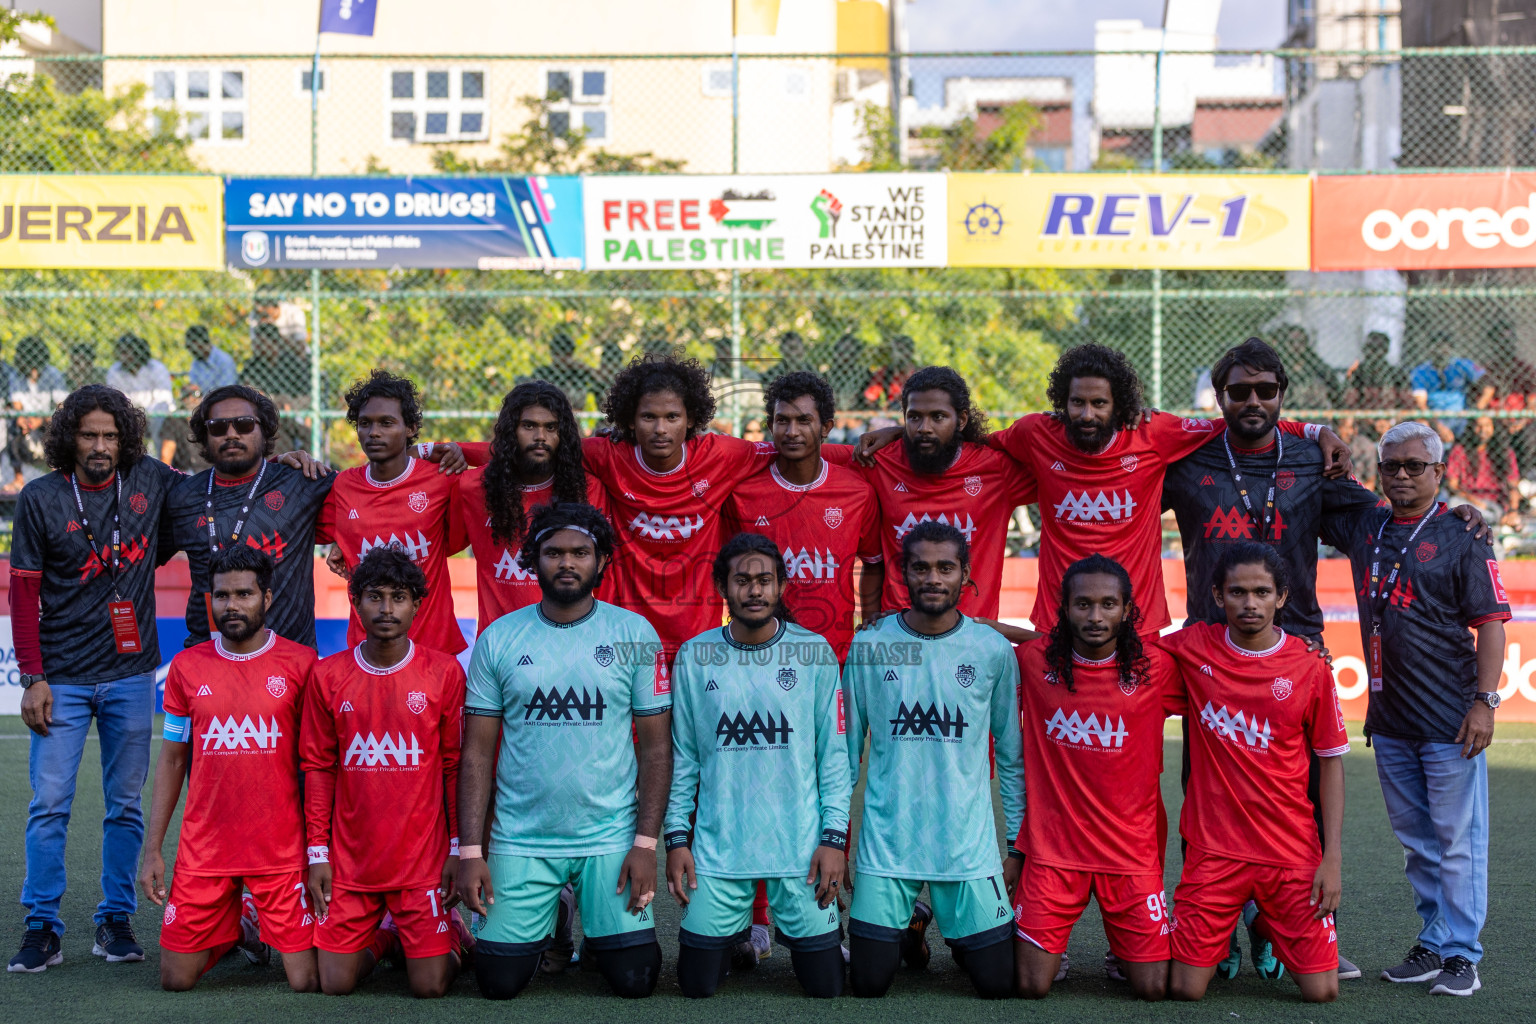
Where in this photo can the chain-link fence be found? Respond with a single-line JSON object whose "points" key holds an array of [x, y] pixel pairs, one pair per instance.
{"points": [[466, 336]]}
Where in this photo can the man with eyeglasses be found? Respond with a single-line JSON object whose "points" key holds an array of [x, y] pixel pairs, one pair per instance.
{"points": [[1259, 483], [1423, 587]]}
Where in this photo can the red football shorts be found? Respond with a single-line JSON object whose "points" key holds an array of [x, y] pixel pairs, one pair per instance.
{"points": [[1210, 897], [354, 917], [203, 912], [1049, 900]]}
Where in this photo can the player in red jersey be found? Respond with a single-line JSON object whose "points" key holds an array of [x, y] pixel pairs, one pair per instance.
{"points": [[380, 751], [944, 471], [232, 710], [541, 462], [1091, 709], [667, 480], [1258, 700], [395, 499], [822, 517]]}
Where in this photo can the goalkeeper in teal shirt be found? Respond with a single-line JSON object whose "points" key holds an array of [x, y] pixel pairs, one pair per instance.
{"points": [[759, 740], [930, 685]]}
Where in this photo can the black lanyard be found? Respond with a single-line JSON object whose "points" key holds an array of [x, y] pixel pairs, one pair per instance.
{"points": [[234, 536], [1381, 588], [1237, 479], [90, 537]]}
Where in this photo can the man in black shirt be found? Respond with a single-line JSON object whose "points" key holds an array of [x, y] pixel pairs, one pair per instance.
{"points": [[1423, 585], [86, 543]]}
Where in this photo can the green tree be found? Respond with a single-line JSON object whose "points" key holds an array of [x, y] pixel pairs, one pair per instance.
{"points": [[959, 146], [536, 149]]}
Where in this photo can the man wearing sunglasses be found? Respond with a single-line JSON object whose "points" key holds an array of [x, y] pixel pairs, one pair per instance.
{"points": [[1424, 586], [1259, 483]]}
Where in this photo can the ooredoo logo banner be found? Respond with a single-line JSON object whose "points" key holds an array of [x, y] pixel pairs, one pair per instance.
{"points": [[1424, 221]]}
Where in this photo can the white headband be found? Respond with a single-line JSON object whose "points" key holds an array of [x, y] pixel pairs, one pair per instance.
{"points": [[556, 529]]}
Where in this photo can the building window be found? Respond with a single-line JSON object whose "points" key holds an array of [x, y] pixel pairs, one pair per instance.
{"points": [[578, 100], [210, 103], [436, 105], [716, 81], [304, 76]]}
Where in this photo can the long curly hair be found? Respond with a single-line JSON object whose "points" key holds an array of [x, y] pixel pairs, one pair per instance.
{"points": [[503, 487], [942, 378], [653, 373], [1129, 653], [383, 384], [1091, 360], [59, 446]]}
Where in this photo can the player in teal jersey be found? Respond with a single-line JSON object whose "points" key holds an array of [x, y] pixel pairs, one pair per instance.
{"points": [[562, 682], [929, 684], [759, 739]]}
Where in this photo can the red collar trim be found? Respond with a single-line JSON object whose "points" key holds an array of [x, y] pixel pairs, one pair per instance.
{"points": [[1438, 510], [95, 487], [219, 481]]}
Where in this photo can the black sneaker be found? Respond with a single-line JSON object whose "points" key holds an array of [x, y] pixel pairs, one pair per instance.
{"points": [[1457, 978], [40, 949], [744, 954], [1419, 965], [115, 941], [561, 948], [915, 952]]}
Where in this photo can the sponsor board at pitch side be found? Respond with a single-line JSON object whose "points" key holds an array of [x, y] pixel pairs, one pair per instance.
{"points": [[111, 221], [1424, 221], [1172, 221], [750, 222]]}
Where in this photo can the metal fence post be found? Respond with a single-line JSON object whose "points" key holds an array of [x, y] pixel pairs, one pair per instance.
{"points": [[1157, 273], [315, 431]]}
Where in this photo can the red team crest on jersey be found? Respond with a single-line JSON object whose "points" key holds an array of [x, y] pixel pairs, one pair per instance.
{"points": [[170, 913], [139, 504], [1426, 551], [1129, 463], [418, 501], [833, 517], [1128, 686], [973, 485], [416, 701], [699, 487], [663, 678], [1281, 687], [277, 685], [274, 500], [1285, 479]]}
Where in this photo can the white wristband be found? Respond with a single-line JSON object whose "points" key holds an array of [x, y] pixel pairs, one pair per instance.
{"points": [[645, 842], [471, 853], [426, 449], [319, 854], [453, 847]]}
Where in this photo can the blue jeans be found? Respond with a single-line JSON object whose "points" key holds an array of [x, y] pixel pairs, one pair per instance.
{"points": [[1437, 802], [124, 714]]}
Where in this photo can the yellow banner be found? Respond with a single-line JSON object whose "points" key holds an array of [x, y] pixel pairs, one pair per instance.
{"points": [[111, 222], [1184, 222]]}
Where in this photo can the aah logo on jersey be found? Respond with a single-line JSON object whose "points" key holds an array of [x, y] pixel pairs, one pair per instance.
{"points": [[810, 564], [1076, 730], [833, 517], [603, 655], [1075, 507], [908, 524], [416, 549], [555, 706], [277, 686], [973, 485], [228, 734], [1240, 728], [965, 675], [418, 501], [1281, 687], [391, 751], [507, 568], [759, 730], [787, 679], [416, 701], [933, 722], [660, 527]]}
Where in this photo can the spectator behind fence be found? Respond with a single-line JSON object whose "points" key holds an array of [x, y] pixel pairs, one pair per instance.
{"points": [[1482, 469], [1509, 377], [747, 388], [1314, 384], [83, 368], [792, 357], [569, 374], [883, 388], [177, 449], [282, 373], [1362, 450], [36, 388], [1372, 382], [211, 367], [141, 377], [1445, 379]]}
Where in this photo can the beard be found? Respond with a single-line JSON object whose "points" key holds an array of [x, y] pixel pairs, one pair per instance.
{"points": [[238, 629], [934, 604], [562, 592], [1090, 441], [97, 474], [1251, 437], [530, 468], [935, 461], [234, 462], [750, 623]]}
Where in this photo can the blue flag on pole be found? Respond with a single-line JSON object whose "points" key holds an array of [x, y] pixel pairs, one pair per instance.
{"points": [[352, 17]]}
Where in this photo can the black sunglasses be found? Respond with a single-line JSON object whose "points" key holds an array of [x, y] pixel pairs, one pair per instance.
{"points": [[242, 425], [1415, 467], [1240, 392]]}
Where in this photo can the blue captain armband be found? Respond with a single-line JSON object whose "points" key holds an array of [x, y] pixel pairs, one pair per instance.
{"points": [[178, 728]]}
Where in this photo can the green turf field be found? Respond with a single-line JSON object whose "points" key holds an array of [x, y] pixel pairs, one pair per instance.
{"points": [[1376, 927]]}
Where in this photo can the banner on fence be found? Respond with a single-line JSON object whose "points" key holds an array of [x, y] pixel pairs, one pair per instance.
{"points": [[490, 223], [1187, 222], [759, 222], [1424, 221], [110, 222]]}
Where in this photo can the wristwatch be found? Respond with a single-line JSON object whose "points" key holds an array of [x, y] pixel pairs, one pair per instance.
{"points": [[27, 680], [1491, 699]]}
